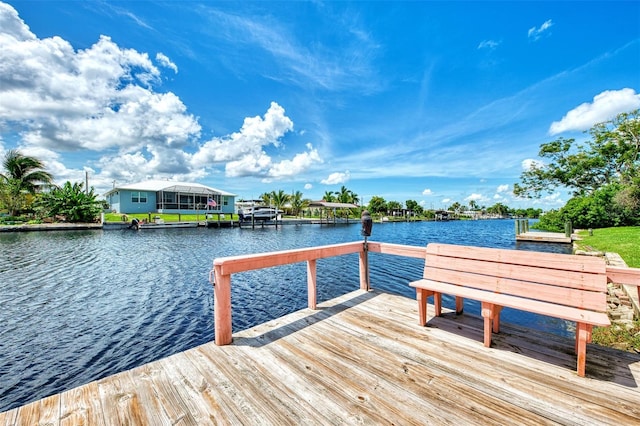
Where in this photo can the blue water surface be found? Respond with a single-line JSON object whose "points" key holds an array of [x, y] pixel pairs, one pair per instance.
{"points": [[78, 306]]}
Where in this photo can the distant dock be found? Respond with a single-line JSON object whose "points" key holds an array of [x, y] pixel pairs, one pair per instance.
{"points": [[544, 237], [523, 234]]}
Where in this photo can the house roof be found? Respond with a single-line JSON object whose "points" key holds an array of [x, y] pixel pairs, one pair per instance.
{"points": [[170, 186]]}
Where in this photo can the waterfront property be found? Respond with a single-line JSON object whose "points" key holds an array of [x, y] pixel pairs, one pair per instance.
{"points": [[157, 196], [361, 358]]}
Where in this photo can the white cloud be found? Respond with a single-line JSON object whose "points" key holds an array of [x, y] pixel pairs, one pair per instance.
{"points": [[308, 186], [98, 98], [554, 198], [446, 200], [243, 151], [103, 99], [166, 62], [427, 192], [336, 178], [488, 44], [298, 164], [536, 33], [604, 107], [530, 163], [503, 188], [475, 197]]}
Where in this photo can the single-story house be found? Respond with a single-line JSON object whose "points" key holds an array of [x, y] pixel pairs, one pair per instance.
{"points": [[161, 196]]}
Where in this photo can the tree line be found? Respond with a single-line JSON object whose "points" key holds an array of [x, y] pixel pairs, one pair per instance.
{"points": [[601, 173], [295, 204]]}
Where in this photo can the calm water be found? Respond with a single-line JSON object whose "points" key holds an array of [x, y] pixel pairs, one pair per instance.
{"points": [[78, 306]]}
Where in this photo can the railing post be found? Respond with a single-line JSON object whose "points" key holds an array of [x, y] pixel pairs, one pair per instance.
{"points": [[311, 283], [222, 307], [364, 267]]}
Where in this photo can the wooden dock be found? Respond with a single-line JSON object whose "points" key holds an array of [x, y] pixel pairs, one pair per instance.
{"points": [[544, 237], [360, 359]]}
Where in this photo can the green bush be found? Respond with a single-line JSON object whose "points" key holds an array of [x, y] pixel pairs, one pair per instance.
{"points": [[12, 220], [601, 209]]}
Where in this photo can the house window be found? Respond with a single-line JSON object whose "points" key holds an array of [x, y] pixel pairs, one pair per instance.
{"points": [[138, 197]]}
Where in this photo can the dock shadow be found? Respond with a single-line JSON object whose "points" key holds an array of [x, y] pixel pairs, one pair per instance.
{"points": [[320, 314], [603, 363]]}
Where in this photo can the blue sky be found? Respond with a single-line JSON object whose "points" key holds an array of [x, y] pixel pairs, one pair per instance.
{"points": [[436, 102]]}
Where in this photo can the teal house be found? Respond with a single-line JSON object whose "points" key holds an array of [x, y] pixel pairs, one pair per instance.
{"points": [[161, 196]]}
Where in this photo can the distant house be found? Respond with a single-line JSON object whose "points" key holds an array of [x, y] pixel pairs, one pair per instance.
{"points": [[160, 196]]}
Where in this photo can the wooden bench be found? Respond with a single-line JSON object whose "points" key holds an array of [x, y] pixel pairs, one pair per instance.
{"points": [[563, 286]]}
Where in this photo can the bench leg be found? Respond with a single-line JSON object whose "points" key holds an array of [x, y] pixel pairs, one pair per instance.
{"points": [[491, 315], [437, 303], [583, 336], [496, 318], [422, 295], [459, 305]]}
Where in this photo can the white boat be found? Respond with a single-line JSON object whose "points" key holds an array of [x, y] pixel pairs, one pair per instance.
{"points": [[259, 213]]}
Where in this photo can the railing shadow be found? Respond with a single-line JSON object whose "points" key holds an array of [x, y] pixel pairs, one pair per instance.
{"points": [[320, 314]]}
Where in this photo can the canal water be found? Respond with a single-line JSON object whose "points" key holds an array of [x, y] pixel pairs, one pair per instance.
{"points": [[81, 305]]}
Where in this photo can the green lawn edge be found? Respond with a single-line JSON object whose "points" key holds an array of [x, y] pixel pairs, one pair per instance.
{"points": [[624, 241]]}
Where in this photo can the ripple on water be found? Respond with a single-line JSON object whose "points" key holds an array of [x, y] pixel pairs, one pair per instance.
{"points": [[78, 306]]}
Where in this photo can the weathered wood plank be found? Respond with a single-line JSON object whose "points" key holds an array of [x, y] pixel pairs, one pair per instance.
{"points": [[49, 410], [576, 263], [361, 359], [535, 306], [80, 406]]}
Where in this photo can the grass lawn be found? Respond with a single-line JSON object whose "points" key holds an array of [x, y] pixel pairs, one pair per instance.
{"points": [[117, 217], [622, 240]]}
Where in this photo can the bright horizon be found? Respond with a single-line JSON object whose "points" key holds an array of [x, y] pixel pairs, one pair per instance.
{"points": [[438, 102]]}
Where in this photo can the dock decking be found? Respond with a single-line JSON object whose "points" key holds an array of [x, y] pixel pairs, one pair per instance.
{"points": [[544, 237], [361, 359]]}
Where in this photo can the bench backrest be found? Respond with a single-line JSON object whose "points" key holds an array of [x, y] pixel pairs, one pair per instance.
{"points": [[571, 280]]}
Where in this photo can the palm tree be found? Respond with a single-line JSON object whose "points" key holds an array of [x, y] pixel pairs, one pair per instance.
{"points": [[279, 198], [266, 198], [328, 197], [22, 175], [298, 203]]}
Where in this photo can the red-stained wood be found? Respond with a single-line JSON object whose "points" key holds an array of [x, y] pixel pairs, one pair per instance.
{"points": [[397, 249], [570, 287], [224, 267], [569, 262], [627, 276], [222, 307], [537, 287], [233, 264], [311, 284]]}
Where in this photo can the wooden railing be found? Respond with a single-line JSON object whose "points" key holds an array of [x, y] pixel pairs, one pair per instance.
{"points": [[224, 267]]}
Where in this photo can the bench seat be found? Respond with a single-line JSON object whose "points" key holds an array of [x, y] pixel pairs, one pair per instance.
{"points": [[568, 287]]}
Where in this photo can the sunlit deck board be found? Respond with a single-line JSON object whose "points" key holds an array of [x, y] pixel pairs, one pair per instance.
{"points": [[361, 359], [544, 237]]}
